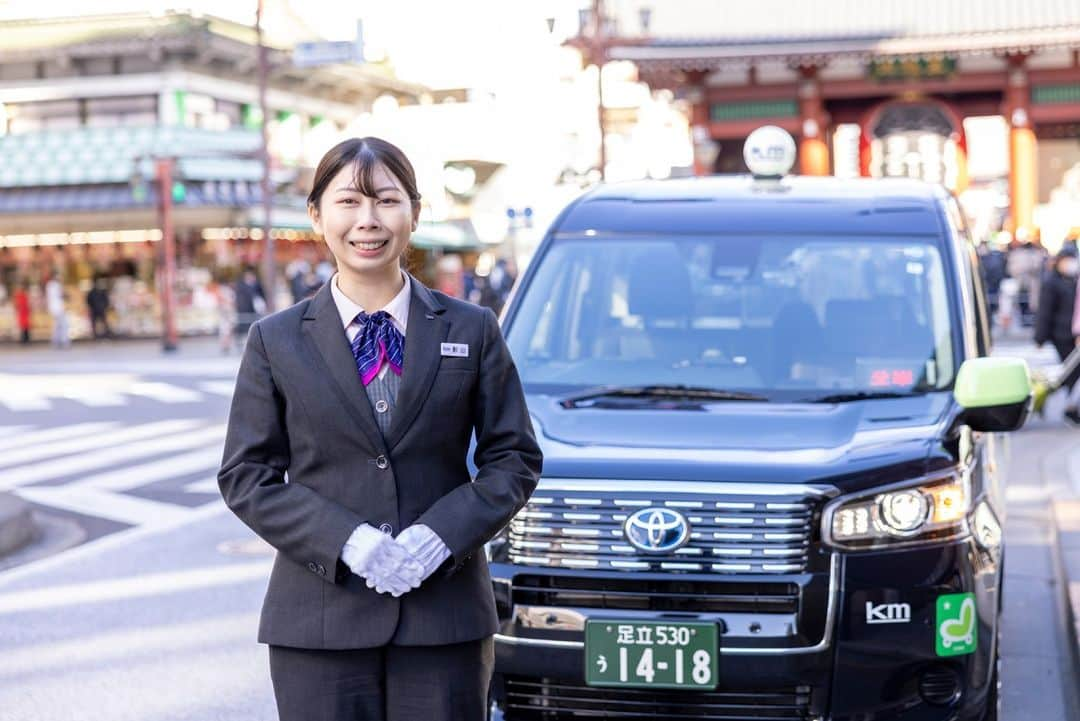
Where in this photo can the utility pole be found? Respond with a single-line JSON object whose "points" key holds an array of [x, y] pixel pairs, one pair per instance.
{"points": [[599, 55], [269, 264], [164, 170], [597, 34]]}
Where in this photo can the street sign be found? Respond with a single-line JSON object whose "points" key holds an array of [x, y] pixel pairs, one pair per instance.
{"points": [[310, 54], [323, 53]]}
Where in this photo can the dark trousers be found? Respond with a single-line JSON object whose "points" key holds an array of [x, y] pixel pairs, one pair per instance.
{"points": [[100, 321], [1064, 348], [388, 683]]}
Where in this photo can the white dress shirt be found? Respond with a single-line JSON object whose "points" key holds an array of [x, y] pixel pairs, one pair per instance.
{"points": [[423, 543], [398, 308]]}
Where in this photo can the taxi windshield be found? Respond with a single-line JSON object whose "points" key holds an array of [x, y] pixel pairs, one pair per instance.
{"points": [[788, 317]]}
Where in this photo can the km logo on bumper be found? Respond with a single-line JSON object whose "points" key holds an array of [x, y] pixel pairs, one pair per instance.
{"points": [[888, 612]]}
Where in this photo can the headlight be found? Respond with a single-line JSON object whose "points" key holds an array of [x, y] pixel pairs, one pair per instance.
{"points": [[921, 512]]}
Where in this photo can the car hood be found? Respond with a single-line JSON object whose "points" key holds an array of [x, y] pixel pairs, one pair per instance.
{"points": [[740, 440]]}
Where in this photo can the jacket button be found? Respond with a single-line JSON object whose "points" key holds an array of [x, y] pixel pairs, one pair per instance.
{"points": [[381, 463], [386, 528], [382, 406]]}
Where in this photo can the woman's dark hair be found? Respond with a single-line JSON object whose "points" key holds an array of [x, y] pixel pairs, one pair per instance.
{"points": [[366, 154]]}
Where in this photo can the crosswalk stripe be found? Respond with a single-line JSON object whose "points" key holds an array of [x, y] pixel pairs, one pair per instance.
{"points": [[77, 439], [163, 392], [224, 388], [49, 434], [111, 648], [24, 400], [69, 465], [123, 479], [12, 431], [97, 549], [207, 485], [94, 397], [39, 391], [127, 589], [113, 506]]}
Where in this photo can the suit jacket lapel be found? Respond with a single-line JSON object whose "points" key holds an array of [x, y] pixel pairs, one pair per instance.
{"points": [[426, 332], [322, 325]]}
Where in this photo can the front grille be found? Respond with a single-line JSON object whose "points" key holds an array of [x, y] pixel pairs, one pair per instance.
{"points": [[546, 700], [655, 594], [731, 534]]}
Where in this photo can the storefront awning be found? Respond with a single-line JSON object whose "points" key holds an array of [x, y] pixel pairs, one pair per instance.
{"points": [[120, 197], [286, 218], [457, 234], [103, 156]]}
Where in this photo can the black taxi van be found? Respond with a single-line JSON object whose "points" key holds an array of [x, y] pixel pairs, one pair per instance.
{"points": [[773, 458]]}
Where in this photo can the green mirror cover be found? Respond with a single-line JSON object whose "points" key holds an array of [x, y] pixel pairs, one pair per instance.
{"points": [[985, 382]]}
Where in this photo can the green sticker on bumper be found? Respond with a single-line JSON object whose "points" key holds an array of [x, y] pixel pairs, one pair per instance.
{"points": [[956, 624]]}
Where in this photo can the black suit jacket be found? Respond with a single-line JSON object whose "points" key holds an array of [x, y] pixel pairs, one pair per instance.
{"points": [[305, 463]]}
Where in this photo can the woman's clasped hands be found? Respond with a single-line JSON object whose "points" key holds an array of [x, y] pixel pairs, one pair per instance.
{"points": [[394, 566]]}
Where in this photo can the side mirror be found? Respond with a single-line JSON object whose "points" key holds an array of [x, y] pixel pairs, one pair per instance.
{"points": [[995, 393]]}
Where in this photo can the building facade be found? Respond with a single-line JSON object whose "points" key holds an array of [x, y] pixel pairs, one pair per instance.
{"points": [[87, 107], [873, 88]]}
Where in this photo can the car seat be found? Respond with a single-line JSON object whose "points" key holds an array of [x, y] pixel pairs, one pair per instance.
{"points": [[797, 337], [659, 293]]}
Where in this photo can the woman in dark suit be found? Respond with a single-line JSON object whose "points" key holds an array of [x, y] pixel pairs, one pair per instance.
{"points": [[346, 451]]}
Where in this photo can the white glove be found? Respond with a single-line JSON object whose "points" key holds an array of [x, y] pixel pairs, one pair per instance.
{"points": [[383, 563], [425, 546]]}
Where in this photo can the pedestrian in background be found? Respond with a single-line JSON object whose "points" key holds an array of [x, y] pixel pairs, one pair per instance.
{"points": [[499, 282], [1056, 316], [1072, 237], [450, 275], [226, 310], [1026, 264], [994, 262], [249, 302], [367, 396], [56, 304], [296, 273], [21, 300], [97, 303], [311, 284]]}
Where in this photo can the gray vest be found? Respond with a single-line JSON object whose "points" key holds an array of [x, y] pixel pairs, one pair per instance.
{"points": [[382, 392]]}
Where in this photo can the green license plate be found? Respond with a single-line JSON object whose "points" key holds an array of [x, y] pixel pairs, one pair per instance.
{"points": [[650, 654]]}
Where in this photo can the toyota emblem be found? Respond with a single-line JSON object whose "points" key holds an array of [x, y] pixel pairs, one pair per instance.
{"points": [[657, 530]]}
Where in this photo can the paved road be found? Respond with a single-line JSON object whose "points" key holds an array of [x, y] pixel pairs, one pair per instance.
{"points": [[114, 436], [150, 615], [151, 612]]}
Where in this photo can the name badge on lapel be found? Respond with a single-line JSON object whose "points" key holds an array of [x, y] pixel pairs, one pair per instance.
{"points": [[455, 350]]}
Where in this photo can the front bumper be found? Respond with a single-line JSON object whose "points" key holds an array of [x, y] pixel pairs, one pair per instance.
{"points": [[825, 662]]}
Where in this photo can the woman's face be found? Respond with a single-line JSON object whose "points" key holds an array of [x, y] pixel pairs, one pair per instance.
{"points": [[366, 235]]}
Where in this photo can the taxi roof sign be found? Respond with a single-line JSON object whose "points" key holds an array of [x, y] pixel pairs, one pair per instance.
{"points": [[769, 152]]}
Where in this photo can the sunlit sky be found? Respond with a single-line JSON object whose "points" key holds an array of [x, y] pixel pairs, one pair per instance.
{"points": [[440, 43]]}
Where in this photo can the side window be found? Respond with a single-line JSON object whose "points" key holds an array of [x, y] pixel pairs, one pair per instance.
{"points": [[564, 324], [545, 323], [972, 303], [978, 292], [982, 318]]}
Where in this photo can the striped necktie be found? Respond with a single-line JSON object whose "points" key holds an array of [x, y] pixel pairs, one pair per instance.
{"points": [[378, 340]]}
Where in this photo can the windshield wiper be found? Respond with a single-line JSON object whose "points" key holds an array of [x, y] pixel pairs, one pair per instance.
{"points": [[674, 392], [856, 396]]}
